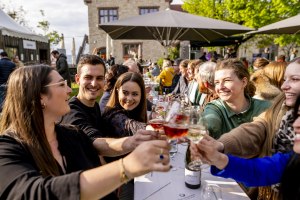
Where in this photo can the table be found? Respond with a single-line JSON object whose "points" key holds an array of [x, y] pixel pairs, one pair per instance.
{"points": [[170, 185]]}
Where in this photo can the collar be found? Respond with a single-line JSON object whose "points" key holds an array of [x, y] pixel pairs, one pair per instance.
{"points": [[230, 113]]}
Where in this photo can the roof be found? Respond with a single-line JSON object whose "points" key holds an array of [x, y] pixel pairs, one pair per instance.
{"points": [[11, 28]]}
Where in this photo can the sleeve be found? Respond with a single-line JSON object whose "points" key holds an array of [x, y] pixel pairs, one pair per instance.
{"points": [[212, 115], [245, 140], [79, 119], [176, 89], [125, 126], [255, 172], [20, 178]]}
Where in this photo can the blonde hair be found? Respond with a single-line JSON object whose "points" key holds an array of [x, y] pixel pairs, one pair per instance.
{"points": [[275, 71]]}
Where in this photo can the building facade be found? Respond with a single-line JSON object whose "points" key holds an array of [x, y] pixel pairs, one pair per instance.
{"points": [[101, 11]]}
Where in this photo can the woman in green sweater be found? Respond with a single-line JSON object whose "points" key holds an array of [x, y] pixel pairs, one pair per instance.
{"points": [[235, 105]]}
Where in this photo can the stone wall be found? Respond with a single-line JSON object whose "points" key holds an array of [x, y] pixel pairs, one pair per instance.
{"points": [[149, 49]]}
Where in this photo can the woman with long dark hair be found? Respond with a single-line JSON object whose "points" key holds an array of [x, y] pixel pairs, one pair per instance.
{"points": [[125, 112]]}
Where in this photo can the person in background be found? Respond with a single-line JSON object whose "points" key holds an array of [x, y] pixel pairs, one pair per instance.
{"points": [[266, 54], [279, 168], [6, 68], [281, 58], [182, 85], [193, 89], [203, 57], [132, 65], [259, 63], [62, 65], [268, 80], [229, 53], [111, 60], [42, 160], [235, 104], [155, 71], [293, 54], [270, 132], [110, 79], [205, 79], [166, 76], [177, 73], [17, 61], [245, 62]]}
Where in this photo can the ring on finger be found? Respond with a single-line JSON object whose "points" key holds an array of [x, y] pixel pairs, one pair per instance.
{"points": [[161, 156]]}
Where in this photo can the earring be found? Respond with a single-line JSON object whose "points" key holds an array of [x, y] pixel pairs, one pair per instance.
{"points": [[43, 105]]}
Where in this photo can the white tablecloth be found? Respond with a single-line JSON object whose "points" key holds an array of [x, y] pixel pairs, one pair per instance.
{"points": [[170, 185]]}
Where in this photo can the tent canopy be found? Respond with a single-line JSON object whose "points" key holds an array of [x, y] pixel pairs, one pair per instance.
{"points": [[171, 25], [11, 28], [287, 26]]}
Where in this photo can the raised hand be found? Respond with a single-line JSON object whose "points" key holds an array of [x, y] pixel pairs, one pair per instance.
{"points": [[208, 151], [148, 156]]}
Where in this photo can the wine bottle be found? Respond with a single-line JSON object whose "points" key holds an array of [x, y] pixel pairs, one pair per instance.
{"points": [[192, 173]]}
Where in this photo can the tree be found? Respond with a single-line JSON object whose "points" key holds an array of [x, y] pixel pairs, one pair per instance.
{"points": [[18, 14], [54, 36], [251, 13]]}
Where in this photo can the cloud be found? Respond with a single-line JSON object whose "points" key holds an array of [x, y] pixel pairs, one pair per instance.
{"points": [[69, 17]]}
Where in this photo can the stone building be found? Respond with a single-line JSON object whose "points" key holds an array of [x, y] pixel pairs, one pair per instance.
{"points": [[101, 11]]}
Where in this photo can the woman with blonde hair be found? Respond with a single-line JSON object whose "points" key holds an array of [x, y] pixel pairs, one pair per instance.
{"points": [[268, 80]]}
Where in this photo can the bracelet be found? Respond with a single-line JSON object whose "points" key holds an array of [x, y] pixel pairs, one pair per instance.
{"points": [[123, 176]]}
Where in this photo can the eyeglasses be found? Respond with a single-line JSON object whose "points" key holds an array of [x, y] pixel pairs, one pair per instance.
{"points": [[61, 83]]}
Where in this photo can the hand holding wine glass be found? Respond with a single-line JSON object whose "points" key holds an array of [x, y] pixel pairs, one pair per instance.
{"points": [[197, 129]]}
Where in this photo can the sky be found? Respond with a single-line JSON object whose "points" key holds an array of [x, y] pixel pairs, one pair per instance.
{"points": [[69, 17]]}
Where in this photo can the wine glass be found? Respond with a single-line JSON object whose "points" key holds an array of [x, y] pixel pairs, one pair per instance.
{"points": [[211, 192], [197, 129], [157, 116], [176, 124]]}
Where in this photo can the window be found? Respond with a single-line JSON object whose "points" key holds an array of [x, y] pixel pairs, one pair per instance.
{"points": [[107, 15], [132, 50], [146, 10]]}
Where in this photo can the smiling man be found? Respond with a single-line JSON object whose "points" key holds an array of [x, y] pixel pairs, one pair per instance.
{"points": [[85, 112]]}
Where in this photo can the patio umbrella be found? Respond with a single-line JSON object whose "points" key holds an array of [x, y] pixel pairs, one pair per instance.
{"points": [[169, 25], [288, 26]]}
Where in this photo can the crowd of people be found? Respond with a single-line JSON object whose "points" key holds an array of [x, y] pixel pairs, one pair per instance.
{"points": [[56, 147]]}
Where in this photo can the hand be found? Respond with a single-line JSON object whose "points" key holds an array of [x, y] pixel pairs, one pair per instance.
{"points": [[142, 136], [147, 157], [208, 151]]}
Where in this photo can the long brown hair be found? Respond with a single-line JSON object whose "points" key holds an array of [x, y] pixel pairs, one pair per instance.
{"points": [[140, 112], [22, 116], [239, 69]]}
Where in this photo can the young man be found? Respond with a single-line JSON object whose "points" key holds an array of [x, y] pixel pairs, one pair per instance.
{"points": [[85, 112]]}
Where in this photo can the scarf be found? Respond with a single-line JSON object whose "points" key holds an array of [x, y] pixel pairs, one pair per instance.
{"points": [[284, 138]]}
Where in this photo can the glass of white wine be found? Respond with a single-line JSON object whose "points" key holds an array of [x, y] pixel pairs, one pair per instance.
{"points": [[198, 127]]}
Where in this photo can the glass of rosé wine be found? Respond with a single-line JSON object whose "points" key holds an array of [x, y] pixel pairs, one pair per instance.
{"points": [[177, 121], [157, 117]]}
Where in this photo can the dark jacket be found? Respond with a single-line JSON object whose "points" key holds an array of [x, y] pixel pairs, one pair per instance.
{"points": [[63, 68], [6, 68]]}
